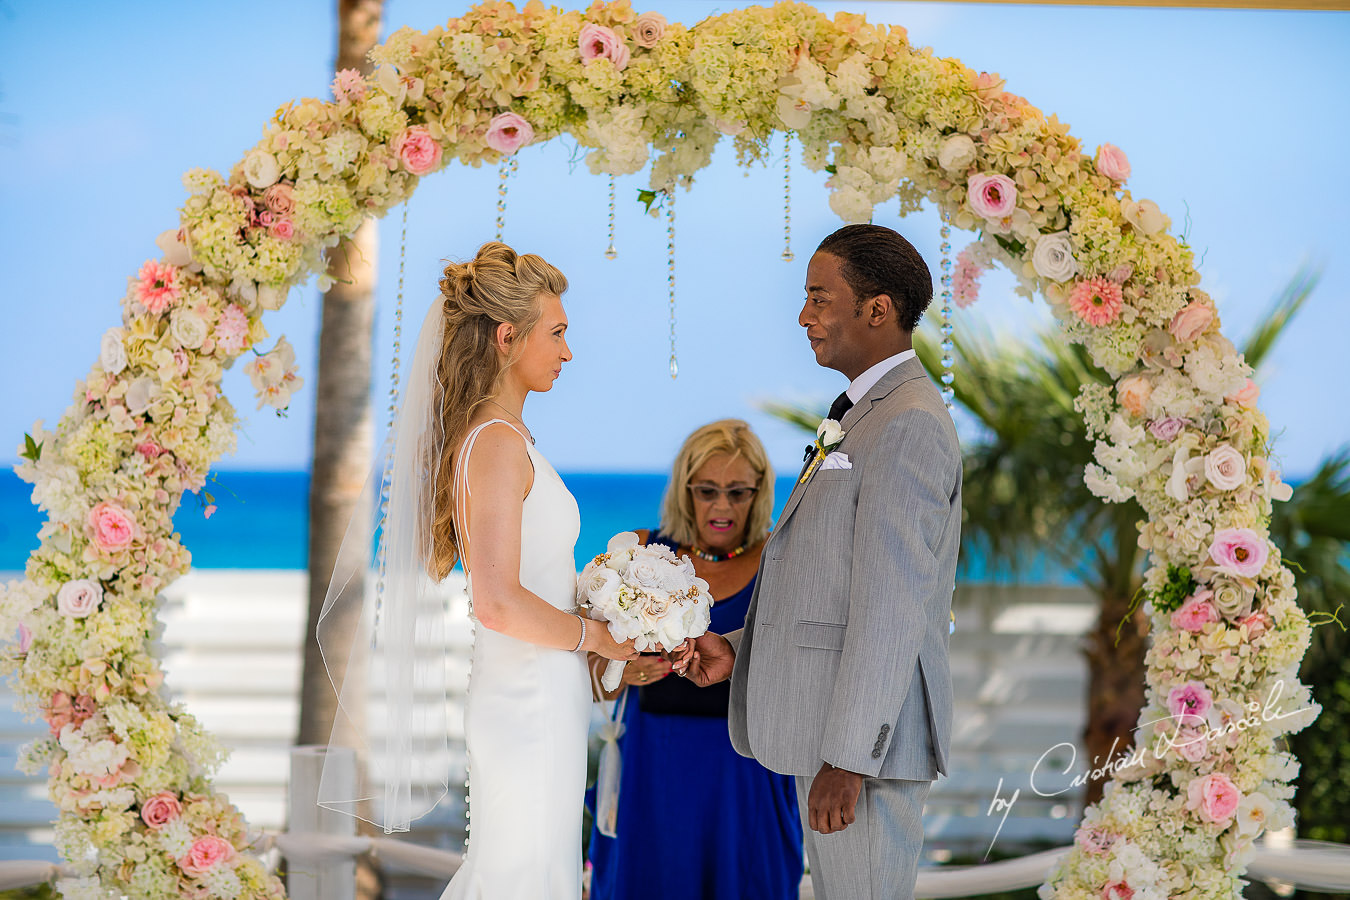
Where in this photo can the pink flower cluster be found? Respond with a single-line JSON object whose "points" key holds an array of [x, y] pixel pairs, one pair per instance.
{"points": [[966, 279], [63, 711], [206, 854], [1214, 797], [992, 196], [349, 85], [1239, 551], [160, 810]]}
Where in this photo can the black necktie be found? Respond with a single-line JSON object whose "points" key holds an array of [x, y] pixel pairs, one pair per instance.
{"points": [[841, 405]]}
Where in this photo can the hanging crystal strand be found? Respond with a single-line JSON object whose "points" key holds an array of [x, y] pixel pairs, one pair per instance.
{"points": [[787, 196], [670, 275], [948, 376], [504, 170], [386, 484], [610, 252]]}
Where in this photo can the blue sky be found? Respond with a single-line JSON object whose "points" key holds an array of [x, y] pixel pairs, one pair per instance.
{"points": [[1235, 123]]}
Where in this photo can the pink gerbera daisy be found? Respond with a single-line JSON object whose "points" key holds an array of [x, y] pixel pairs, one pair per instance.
{"points": [[158, 288], [1097, 301]]}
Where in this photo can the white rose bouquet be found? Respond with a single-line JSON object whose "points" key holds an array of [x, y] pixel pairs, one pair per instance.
{"points": [[646, 594]]}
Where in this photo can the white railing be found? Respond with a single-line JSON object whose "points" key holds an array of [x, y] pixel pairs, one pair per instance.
{"points": [[321, 848]]}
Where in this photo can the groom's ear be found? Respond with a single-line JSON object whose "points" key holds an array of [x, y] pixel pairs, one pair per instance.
{"points": [[879, 310]]}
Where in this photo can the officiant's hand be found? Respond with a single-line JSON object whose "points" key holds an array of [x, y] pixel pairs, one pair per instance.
{"points": [[833, 798], [645, 670], [711, 661]]}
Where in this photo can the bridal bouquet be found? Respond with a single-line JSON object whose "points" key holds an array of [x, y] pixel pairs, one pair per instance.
{"points": [[647, 594]]}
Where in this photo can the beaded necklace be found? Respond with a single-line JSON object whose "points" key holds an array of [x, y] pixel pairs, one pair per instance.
{"points": [[720, 557]]}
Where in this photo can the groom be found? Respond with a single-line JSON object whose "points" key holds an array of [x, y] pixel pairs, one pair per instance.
{"points": [[840, 676]]}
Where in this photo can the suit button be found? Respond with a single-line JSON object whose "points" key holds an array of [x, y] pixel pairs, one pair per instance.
{"points": [[876, 754], [885, 729]]}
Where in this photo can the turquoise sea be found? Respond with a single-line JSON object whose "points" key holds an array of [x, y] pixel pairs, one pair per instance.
{"points": [[261, 521]]}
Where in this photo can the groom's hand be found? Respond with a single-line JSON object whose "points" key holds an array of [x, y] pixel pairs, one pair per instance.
{"points": [[711, 661], [833, 798]]}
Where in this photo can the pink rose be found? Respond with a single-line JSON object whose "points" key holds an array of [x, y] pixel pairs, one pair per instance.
{"points": [[508, 132], [992, 196], [111, 527], [1245, 396], [419, 152], [283, 229], [1239, 551], [1213, 796], [160, 810], [1134, 393], [1189, 702], [280, 199], [1094, 840], [1112, 162], [77, 599], [1257, 624], [648, 29], [1166, 429], [1121, 273], [1117, 890], [1195, 612], [1191, 322], [1190, 743], [25, 638], [599, 42], [206, 853], [266, 218], [1225, 468]]}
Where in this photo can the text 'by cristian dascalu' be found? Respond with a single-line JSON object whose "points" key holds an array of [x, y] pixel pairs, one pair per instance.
{"points": [[1182, 736]]}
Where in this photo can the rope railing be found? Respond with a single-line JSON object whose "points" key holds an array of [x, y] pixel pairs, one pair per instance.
{"points": [[320, 849]]}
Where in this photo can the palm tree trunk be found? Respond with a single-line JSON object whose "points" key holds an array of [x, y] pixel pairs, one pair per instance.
{"points": [[343, 428], [1116, 678]]}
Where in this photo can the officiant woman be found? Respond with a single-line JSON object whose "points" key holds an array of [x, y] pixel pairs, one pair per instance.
{"points": [[676, 752]]}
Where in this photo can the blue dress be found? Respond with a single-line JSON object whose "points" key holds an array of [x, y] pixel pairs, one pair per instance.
{"points": [[740, 837]]}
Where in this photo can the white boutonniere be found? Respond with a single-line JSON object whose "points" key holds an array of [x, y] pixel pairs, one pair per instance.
{"points": [[828, 436]]}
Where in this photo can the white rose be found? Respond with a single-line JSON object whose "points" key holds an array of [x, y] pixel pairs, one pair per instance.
{"points": [[1253, 811], [112, 352], [79, 598], [1144, 216], [173, 244], [1053, 257], [957, 152], [829, 432], [597, 585], [188, 328], [1232, 598], [261, 169], [271, 296], [140, 394], [1225, 468], [624, 540], [645, 573]]}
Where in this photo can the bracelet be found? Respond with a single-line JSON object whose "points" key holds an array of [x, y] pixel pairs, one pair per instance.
{"points": [[581, 640]]}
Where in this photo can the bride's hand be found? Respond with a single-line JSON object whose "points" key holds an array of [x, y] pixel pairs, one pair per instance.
{"points": [[599, 640]]}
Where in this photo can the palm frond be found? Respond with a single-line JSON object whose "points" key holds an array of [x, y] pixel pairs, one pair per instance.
{"points": [[1286, 306]]}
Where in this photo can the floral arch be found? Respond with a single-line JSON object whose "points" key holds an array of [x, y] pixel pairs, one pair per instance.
{"points": [[131, 774]]}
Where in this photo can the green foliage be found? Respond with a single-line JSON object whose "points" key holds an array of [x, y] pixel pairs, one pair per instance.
{"points": [[32, 450], [1179, 586], [37, 892]]}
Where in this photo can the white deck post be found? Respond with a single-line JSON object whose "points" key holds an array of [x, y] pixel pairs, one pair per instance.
{"points": [[319, 878]]}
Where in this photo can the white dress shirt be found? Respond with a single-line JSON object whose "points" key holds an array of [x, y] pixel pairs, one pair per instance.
{"points": [[868, 379]]}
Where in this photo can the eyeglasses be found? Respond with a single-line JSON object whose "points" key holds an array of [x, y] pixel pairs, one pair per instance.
{"points": [[708, 493]]}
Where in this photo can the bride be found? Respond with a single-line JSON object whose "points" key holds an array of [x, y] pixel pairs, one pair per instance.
{"points": [[506, 514], [465, 484]]}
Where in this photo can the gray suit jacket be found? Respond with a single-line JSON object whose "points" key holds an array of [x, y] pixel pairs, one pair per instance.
{"points": [[843, 658]]}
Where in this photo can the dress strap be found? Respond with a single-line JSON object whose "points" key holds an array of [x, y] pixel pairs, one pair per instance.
{"points": [[461, 487]]}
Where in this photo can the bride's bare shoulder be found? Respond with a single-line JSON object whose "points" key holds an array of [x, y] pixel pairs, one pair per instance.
{"points": [[499, 457]]}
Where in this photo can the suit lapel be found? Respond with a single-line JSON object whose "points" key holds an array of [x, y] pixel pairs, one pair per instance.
{"points": [[906, 371]]}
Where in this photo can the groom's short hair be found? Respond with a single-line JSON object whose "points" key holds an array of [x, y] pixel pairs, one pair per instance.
{"points": [[878, 260]]}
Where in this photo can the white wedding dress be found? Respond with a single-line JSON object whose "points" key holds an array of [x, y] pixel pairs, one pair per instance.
{"points": [[526, 720]]}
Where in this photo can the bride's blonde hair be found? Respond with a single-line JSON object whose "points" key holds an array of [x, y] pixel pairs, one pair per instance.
{"points": [[496, 287]]}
